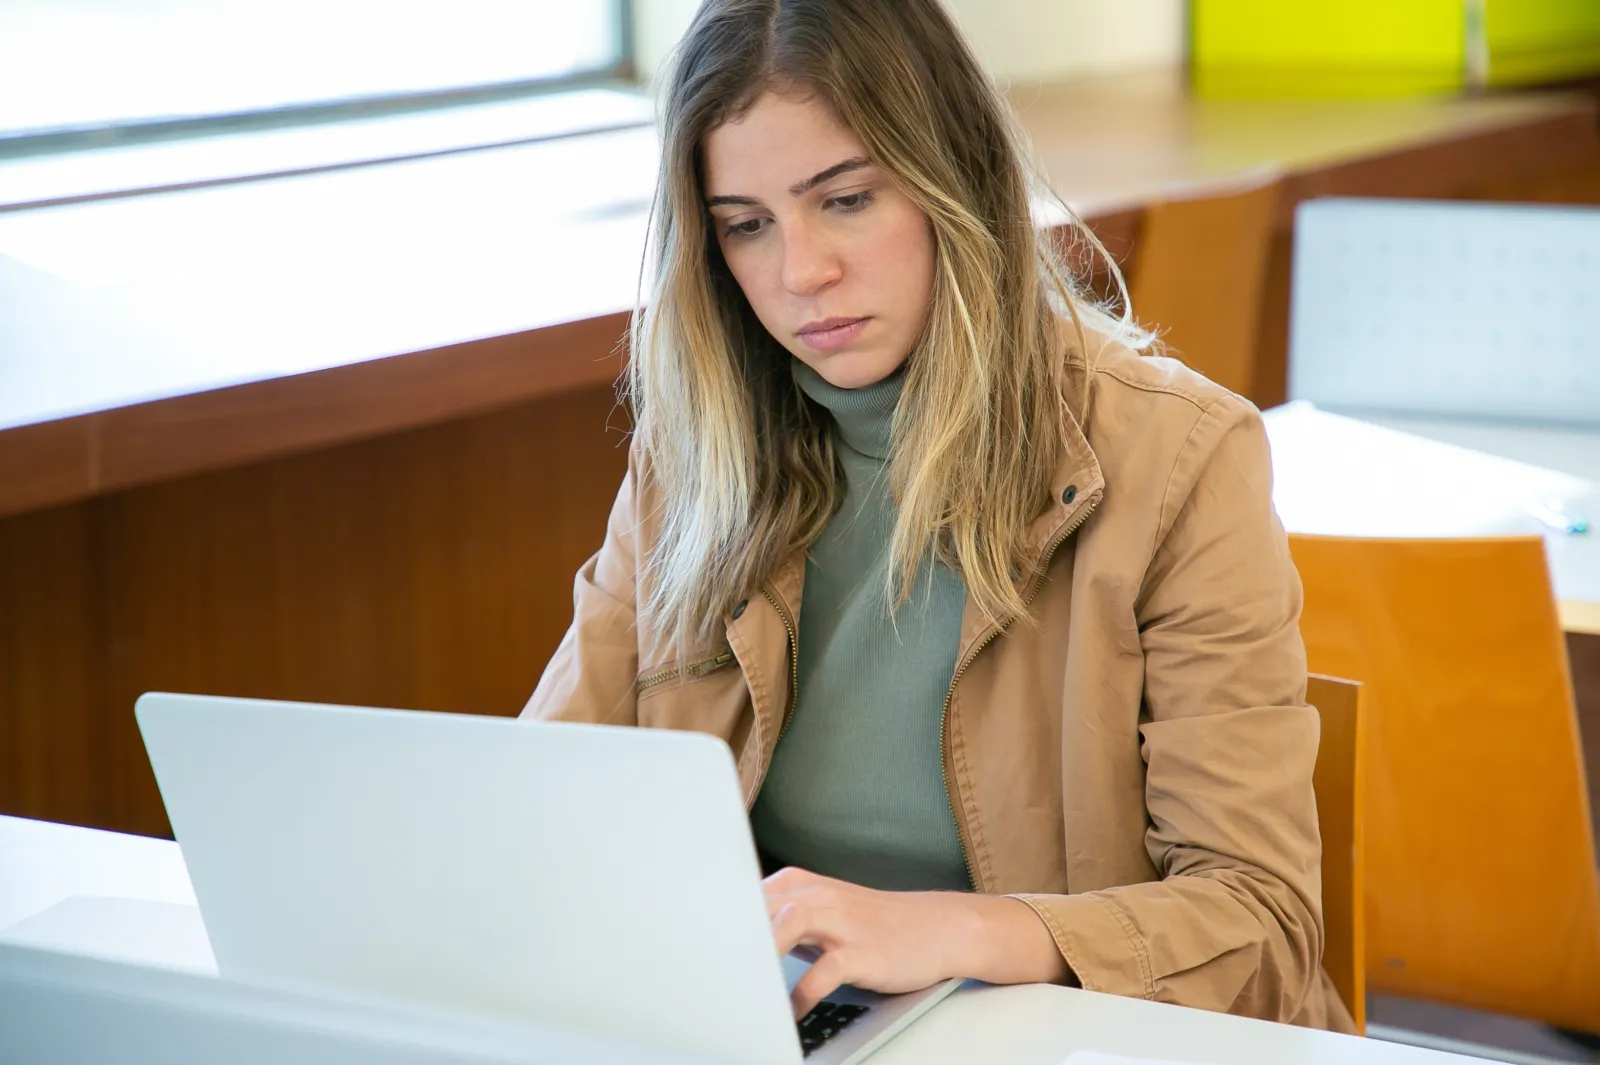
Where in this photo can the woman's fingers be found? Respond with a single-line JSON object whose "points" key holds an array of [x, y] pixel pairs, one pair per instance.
{"points": [[882, 940], [798, 925], [787, 883], [803, 909], [819, 981]]}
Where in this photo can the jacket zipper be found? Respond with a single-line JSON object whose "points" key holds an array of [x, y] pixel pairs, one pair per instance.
{"points": [[693, 669], [794, 660], [944, 715]]}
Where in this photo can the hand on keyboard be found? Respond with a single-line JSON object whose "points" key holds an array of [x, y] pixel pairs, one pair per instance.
{"points": [[825, 1021]]}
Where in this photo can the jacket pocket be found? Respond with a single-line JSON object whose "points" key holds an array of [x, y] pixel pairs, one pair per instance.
{"points": [[708, 695], [692, 671]]}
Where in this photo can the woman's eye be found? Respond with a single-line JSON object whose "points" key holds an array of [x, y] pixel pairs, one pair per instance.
{"points": [[748, 228], [853, 201]]}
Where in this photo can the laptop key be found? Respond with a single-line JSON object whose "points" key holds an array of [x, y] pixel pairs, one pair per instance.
{"points": [[825, 1021]]}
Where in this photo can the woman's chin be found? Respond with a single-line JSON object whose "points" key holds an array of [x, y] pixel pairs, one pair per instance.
{"points": [[852, 369]]}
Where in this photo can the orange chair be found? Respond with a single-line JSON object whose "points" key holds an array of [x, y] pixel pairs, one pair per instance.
{"points": [[1340, 811], [1481, 882], [1198, 275]]}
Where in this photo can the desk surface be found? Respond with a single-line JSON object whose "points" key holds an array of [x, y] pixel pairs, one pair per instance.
{"points": [[1118, 141], [160, 335], [1574, 559], [42, 864]]}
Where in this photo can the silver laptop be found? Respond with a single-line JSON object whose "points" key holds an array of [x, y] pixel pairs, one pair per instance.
{"points": [[595, 878]]}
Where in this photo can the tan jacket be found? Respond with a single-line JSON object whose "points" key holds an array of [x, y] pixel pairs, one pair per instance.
{"points": [[1136, 766]]}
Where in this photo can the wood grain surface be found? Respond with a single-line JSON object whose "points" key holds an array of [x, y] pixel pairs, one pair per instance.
{"points": [[1201, 274], [1341, 814], [1481, 882], [427, 569]]}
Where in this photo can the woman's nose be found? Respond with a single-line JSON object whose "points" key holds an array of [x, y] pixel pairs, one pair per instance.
{"points": [[810, 262]]}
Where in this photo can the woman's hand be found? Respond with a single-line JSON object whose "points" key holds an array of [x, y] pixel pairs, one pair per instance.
{"points": [[896, 941]]}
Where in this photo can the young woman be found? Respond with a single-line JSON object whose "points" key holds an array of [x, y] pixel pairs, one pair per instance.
{"points": [[992, 609]]}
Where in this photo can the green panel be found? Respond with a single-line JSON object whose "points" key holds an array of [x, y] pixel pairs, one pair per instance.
{"points": [[1541, 40], [1381, 33], [1327, 47]]}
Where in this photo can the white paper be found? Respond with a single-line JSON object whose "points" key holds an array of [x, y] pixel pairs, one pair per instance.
{"points": [[1339, 476], [165, 934]]}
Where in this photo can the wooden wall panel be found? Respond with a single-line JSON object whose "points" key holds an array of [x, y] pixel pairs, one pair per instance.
{"points": [[1577, 181], [53, 629], [1271, 384], [430, 569]]}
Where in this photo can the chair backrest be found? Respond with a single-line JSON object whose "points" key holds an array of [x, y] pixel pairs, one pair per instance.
{"points": [[1455, 309], [1340, 812], [1198, 275], [1480, 865]]}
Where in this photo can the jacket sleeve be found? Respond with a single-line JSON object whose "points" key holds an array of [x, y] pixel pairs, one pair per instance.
{"points": [[1235, 923], [591, 676]]}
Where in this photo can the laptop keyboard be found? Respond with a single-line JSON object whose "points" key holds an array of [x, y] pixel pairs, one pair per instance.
{"points": [[825, 1021]]}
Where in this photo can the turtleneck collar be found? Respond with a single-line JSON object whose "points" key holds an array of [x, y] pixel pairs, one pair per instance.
{"points": [[863, 415]]}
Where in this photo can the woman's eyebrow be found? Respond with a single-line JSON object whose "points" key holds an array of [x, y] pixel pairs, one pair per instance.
{"points": [[800, 188], [860, 162]]}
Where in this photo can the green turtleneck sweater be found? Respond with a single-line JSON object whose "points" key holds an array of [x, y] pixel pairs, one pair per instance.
{"points": [[856, 788]]}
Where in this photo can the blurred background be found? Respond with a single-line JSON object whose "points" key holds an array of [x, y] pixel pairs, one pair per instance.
{"points": [[310, 315]]}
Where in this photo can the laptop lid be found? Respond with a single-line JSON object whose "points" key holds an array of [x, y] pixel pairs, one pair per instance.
{"points": [[599, 878]]}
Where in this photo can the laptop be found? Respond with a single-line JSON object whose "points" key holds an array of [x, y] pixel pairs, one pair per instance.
{"points": [[597, 878]]}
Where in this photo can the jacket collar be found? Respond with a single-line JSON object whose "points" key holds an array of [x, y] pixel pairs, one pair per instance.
{"points": [[1075, 490]]}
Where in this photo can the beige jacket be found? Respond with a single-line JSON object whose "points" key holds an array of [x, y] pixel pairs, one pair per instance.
{"points": [[1136, 766]]}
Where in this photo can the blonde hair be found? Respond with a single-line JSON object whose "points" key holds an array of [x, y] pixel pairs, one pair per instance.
{"points": [[744, 461]]}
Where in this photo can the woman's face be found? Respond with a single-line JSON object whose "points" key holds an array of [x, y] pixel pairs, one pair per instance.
{"points": [[835, 260]]}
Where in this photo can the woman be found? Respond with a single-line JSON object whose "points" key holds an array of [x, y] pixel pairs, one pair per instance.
{"points": [[993, 610]]}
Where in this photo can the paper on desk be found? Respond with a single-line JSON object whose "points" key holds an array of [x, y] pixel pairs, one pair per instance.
{"points": [[1340, 476], [169, 935]]}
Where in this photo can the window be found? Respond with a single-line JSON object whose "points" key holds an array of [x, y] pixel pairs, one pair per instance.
{"points": [[76, 73]]}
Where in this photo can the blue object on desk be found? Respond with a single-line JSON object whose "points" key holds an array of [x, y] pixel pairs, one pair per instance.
{"points": [[1559, 518]]}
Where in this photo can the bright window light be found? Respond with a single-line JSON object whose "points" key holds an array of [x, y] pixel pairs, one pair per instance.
{"points": [[85, 64]]}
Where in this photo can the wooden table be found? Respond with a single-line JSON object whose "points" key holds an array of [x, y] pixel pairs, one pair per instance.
{"points": [[1121, 141], [345, 436]]}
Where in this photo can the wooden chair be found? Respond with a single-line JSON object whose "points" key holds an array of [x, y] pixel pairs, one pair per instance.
{"points": [[1480, 863], [1198, 275], [1340, 811]]}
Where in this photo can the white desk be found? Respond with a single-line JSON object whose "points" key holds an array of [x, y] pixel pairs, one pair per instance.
{"points": [[42, 864], [1574, 559]]}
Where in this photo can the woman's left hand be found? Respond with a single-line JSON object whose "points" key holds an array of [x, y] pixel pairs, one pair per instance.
{"points": [[896, 941]]}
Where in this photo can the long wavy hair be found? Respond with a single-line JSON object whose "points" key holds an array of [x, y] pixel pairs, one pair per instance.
{"points": [[744, 461]]}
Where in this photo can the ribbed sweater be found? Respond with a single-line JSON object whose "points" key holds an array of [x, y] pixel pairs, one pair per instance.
{"points": [[856, 788]]}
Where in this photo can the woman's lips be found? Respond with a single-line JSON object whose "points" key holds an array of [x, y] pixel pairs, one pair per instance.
{"points": [[832, 334]]}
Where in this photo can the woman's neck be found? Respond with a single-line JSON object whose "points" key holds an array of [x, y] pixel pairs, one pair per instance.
{"points": [[864, 416]]}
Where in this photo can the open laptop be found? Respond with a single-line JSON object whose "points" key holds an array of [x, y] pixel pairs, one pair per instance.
{"points": [[598, 878]]}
